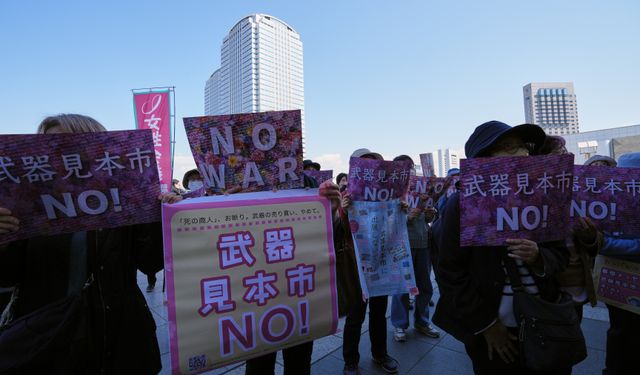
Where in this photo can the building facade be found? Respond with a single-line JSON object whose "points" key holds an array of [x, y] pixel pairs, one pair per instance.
{"points": [[445, 159], [261, 69], [608, 142], [553, 106]]}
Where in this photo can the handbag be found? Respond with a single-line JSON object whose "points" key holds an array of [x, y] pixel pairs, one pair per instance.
{"points": [[44, 336], [550, 337]]}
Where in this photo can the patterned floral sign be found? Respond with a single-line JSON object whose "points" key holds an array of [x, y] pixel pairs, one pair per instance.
{"points": [[378, 180]]}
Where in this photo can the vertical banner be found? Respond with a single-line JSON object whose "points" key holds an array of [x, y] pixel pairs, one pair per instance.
{"points": [[426, 161], [251, 151], [515, 197], [63, 183], [247, 274], [607, 196], [153, 111], [617, 283]]}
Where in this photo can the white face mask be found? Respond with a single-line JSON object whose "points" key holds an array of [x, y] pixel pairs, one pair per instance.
{"points": [[195, 184]]}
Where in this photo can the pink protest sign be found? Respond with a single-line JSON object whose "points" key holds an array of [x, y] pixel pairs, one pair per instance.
{"points": [[253, 151], [607, 196], [62, 183], [378, 180], [617, 283], [426, 161], [320, 176], [515, 197], [247, 274], [153, 111], [425, 191]]}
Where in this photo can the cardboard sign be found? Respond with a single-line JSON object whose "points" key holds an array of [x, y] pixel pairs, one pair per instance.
{"points": [[425, 191], [426, 161], [608, 196], [515, 197], [63, 183], [383, 253], [254, 151], [247, 274], [378, 180], [617, 283]]}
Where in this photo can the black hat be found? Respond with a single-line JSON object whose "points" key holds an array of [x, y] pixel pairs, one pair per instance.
{"points": [[488, 133], [310, 163]]}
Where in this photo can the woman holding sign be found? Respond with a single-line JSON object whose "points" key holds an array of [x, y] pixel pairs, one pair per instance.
{"points": [[476, 303], [78, 300]]}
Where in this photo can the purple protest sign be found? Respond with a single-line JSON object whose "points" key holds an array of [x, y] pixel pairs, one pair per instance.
{"points": [[426, 161], [62, 183], [378, 180], [424, 191], [515, 197], [320, 176], [607, 196], [254, 151]]}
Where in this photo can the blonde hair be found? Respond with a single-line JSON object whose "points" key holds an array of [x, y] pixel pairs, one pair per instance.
{"points": [[71, 123]]}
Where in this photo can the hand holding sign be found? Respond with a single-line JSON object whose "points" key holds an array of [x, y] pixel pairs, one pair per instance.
{"points": [[8, 223], [525, 250]]}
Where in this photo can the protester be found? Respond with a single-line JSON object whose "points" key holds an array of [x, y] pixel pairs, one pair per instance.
{"points": [[114, 331], [342, 180], [601, 161], [418, 230], [358, 310], [623, 335], [192, 180], [476, 302], [176, 187], [309, 165]]}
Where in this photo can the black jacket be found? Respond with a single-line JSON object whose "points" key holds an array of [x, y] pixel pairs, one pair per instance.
{"points": [[471, 279], [120, 336]]}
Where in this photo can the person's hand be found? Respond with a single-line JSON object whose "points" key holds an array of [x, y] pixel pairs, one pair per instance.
{"points": [[236, 189], [501, 341], [330, 191], [169, 198], [525, 250], [414, 213], [346, 201], [8, 223], [404, 206], [430, 213], [585, 231]]}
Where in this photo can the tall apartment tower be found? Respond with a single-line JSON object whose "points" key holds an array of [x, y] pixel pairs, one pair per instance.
{"points": [[552, 106], [261, 69], [445, 159]]}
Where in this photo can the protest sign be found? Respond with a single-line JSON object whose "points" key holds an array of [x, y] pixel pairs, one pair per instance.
{"points": [[320, 176], [607, 196], [617, 283], [383, 253], [426, 161], [515, 197], [62, 183], [254, 151], [378, 180], [424, 191], [247, 274], [153, 111]]}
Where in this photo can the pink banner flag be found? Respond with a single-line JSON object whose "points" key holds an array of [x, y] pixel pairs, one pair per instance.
{"points": [[153, 111]]}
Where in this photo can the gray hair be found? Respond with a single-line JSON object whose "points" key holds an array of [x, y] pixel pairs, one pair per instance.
{"points": [[71, 123]]}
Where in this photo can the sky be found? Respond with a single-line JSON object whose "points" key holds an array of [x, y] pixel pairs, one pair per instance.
{"points": [[398, 77]]}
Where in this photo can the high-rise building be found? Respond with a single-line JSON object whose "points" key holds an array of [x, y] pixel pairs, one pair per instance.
{"points": [[445, 159], [261, 69], [552, 106], [212, 94]]}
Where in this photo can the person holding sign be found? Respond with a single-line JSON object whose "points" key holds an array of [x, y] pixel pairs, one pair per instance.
{"points": [[476, 302], [96, 319], [623, 335]]}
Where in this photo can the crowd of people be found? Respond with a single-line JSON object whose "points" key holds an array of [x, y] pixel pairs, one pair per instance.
{"points": [[91, 276]]}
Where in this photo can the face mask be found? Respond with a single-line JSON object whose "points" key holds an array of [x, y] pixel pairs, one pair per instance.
{"points": [[195, 185]]}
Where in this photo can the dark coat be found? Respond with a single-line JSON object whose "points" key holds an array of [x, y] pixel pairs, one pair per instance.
{"points": [[120, 335], [471, 279]]}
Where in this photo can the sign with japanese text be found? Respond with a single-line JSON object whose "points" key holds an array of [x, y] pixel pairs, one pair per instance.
{"points": [[62, 183], [254, 151], [607, 196], [153, 111], [378, 180], [425, 191], [247, 274], [383, 253], [426, 161], [320, 176], [617, 283], [515, 197]]}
